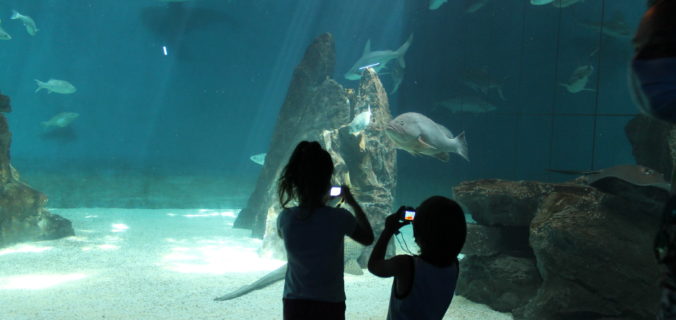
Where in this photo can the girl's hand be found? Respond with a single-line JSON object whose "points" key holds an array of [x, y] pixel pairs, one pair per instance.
{"points": [[347, 195], [394, 221]]}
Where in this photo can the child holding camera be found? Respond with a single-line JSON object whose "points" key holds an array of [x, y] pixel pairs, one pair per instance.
{"points": [[423, 285], [314, 234]]}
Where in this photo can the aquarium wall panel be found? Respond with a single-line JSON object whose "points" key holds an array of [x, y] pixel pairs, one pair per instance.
{"points": [[611, 146], [153, 142], [572, 146], [532, 147]]}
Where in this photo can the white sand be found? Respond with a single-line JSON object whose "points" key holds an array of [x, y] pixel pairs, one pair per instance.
{"points": [[162, 264]]}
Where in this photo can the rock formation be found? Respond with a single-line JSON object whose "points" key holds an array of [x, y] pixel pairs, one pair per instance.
{"points": [[559, 251], [653, 143], [22, 213], [318, 108], [594, 253]]}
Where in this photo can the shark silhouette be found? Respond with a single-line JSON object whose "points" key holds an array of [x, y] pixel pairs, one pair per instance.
{"points": [[174, 23]]}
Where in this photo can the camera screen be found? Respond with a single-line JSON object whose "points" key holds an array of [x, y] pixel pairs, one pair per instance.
{"points": [[409, 215], [335, 191]]}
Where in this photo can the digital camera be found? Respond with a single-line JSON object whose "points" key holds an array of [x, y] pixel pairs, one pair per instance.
{"points": [[408, 215], [336, 191]]}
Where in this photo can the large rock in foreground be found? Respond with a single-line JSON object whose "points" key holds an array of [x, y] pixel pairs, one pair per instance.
{"points": [[495, 202], [595, 260], [22, 213], [501, 281], [560, 250]]}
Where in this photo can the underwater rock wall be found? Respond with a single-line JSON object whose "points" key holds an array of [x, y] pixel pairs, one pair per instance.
{"points": [[318, 108], [296, 121], [559, 251], [653, 143], [22, 213]]}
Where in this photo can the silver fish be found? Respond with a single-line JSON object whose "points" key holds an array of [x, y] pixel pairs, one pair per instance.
{"points": [[60, 120], [361, 121], [55, 85], [377, 59], [352, 251], [28, 22], [579, 79]]}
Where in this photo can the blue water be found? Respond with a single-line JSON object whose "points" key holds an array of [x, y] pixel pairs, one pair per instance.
{"points": [[212, 101]]}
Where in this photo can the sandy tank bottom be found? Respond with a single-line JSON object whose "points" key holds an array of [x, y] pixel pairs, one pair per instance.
{"points": [[162, 264]]}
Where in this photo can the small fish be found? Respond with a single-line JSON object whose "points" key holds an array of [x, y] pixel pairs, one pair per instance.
{"points": [[3, 34], [60, 120], [565, 3], [435, 4], [420, 135], [540, 2], [468, 104], [377, 59], [259, 158], [475, 5], [480, 80], [28, 22], [616, 27], [579, 79], [54, 85], [360, 121]]}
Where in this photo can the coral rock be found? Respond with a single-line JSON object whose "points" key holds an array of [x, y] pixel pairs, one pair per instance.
{"points": [[22, 213], [502, 282], [318, 108], [594, 257]]}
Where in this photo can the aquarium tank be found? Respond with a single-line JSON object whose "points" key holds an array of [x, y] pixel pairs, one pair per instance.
{"points": [[141, 142]]}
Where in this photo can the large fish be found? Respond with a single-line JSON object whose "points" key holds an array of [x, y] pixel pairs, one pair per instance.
{"points": [[54, 85], [173, 21], [540, 2], [28, 22], [418, 134], [635, 174], [352, 252], [377, 59]]}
